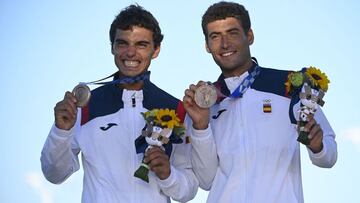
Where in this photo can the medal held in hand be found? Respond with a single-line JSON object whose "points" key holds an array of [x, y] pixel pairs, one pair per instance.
{"points": [[82, 94], [311, 85], [205, 95]]}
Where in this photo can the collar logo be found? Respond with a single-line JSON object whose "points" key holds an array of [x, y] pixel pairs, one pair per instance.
{"points": [[218, 114]]}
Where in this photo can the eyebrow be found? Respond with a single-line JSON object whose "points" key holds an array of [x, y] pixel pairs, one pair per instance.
{"points": [[233, 29], [120, 40], [227, 31], [138, 42], [143, 42]]}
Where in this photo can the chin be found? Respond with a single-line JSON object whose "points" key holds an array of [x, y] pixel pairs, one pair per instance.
{"points": [[228, 67]]}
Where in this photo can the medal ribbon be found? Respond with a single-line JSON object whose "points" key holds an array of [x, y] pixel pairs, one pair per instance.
{"points": [[246, 83], [122, 80]]}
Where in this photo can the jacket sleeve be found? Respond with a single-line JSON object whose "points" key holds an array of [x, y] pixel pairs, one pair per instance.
{"points": [[182, 183], [328, 156], [204, 157], [59, 156]]}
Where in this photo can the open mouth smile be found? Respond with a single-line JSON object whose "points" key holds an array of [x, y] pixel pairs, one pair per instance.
{"points": [[131, 63], [227, 54]]}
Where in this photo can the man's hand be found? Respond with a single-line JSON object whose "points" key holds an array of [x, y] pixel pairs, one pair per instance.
{"points": [[315, 135], [158, 162], [199, 116], [65, 112]]}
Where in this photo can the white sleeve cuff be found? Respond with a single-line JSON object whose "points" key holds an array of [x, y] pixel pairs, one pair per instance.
{"points": [[201, 134], [62, 134], [320, 154], [170, 181]]}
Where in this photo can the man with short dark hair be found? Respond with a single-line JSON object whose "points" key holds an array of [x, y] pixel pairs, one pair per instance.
{"points": [[245, 146], [108, 129]]}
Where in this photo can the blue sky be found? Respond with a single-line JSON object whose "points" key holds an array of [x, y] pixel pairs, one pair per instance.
{"points": [[47, 47]]}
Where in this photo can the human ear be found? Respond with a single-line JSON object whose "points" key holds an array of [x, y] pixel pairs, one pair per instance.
{"points": [[112, 50], [207, 48], [250, 36], [156, 52]]}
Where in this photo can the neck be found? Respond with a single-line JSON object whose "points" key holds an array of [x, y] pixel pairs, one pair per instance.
{"points": [[134, 86], [239, 70]]}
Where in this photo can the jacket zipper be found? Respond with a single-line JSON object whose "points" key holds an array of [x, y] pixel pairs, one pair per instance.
{"points": [[133, 101], [133, 104]]}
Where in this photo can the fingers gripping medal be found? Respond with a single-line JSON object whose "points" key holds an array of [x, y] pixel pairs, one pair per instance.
{"points": [[205, 95], [82, 94]]}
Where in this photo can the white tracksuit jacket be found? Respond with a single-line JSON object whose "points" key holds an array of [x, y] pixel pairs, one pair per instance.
{"points": [[105, 134], [248, 155]]}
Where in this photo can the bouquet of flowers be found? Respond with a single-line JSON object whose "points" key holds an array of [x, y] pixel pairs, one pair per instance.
{"points": [[162, 128], [310, 84]]}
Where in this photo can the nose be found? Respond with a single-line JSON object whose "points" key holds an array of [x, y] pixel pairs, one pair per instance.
{"points": [[224, 42], [131, 51]]}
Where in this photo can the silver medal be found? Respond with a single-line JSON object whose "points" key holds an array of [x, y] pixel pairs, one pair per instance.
{"points": [[205, 96], [82, 94]]}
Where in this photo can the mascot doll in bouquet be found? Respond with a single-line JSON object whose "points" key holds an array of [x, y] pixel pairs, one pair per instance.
{"points": [[309, 85], [162, 129]]}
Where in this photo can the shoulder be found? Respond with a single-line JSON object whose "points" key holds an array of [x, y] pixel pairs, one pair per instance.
{"points": [[104, 100], [155, 97], [272, 81]]}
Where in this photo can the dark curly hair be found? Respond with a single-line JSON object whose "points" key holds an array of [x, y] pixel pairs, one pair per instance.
{"points": [[222, 10], [135, 15]]}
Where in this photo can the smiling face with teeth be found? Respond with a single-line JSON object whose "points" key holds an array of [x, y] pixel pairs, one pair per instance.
{"points": [[229, 45], [133, 50]]}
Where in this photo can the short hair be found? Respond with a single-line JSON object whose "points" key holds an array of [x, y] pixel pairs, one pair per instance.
{"points": [[135, 15], [222, 10]]}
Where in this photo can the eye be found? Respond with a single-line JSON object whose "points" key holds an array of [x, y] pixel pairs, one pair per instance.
{"points": [[234, 32], [214, 36], [142, 45], [120, 43]]}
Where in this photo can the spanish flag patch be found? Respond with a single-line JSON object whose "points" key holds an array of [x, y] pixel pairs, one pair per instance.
{"points": [[267, 106]]}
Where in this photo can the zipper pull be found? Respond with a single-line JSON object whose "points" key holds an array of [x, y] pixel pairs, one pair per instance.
{"points": [[133, 100]]}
